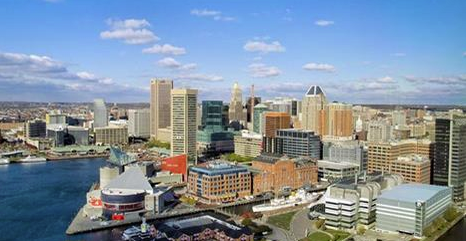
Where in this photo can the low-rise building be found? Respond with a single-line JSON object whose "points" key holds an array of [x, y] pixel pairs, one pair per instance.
{"points": [[219, 182], [297, 143], [353, 202], [274, 174], [410, 208], [248, 144], [111, 135], [413, 168], [331, 171]]}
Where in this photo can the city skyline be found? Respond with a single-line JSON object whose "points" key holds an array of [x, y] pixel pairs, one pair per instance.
{"points": [[359, 52]]}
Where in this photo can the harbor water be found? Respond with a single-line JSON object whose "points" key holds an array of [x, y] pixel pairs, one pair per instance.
{"points": [[39, 200]]}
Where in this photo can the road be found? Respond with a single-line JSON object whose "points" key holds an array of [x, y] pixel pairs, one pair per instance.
{"points": [[301, 223]]}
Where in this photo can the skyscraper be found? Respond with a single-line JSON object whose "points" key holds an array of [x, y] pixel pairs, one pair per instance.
{"points": [[212, 114], [449, 165], [100, 113], [339, 119], [235, 112], [258, 117], [139, 123], [159, 105], [183, 122], [313, 110]]}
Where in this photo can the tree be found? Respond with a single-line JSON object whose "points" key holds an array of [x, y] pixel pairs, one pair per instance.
{"points": [[247, 222], [450, 214]]}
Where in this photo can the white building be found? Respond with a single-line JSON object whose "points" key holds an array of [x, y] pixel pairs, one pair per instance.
{"points": [[139, 123]]}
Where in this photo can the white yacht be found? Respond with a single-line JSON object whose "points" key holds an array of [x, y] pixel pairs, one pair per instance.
{"points": [[30, 159], [295, 199], [4, 161]]}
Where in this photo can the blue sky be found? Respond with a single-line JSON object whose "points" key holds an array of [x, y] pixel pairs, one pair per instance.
{"points": [[360, 51]]}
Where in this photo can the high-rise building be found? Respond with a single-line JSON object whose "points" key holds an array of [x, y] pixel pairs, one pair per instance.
{"points": [[258, 117], [100, 113], [275, 121], [313, 110], [249, 108], [184, 122], [160, 91], [139, 123], [382, 155], [55, 118], [379, 131], [449, 165], [399, 118], [35, 128], [346, 151], [236, 112], [297, 143], [339, 119], [212, 114]]}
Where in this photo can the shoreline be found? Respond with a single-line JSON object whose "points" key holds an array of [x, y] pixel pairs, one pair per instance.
{"points": [[61, 158]]}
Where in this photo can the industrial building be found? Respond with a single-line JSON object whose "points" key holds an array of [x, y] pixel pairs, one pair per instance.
{"points": [[274, 173], [410, 208], [353, 201]]}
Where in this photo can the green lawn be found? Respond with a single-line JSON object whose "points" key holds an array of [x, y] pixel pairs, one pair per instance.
{"points": [[317, 236], [282, 220], [320, 236], [338, 234]]}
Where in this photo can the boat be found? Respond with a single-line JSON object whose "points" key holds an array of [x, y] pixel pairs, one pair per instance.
{"points": [[30, 159], [295, 199], [130, 233], [4, 161], [137, 233]]}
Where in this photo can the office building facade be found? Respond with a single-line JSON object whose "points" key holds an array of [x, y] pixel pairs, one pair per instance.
{"points": [[35, 129], [100, 113], [219, 182], [111, 135], [248, 144], [449, 164], [339, 119], [184, 122], [410, 208], [313, 110], [160, 105], [139, 123], [297, 143]]}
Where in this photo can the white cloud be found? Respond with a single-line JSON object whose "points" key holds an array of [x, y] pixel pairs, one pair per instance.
{"points": [[189, 66], [458, 80], [205, 12], [399, 54], [263, 47], [169, 63], [200, 77], [386, 79], [319, 67], [464, 54], [130, 31], [259, 70], [43, 74], [215, 15], [324, 23], [172, 63], [166, 49]]}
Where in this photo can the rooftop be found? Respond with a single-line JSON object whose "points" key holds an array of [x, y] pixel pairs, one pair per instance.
{"points": [[412, 192], [131, 180], [218, 168], [315, 90]]}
